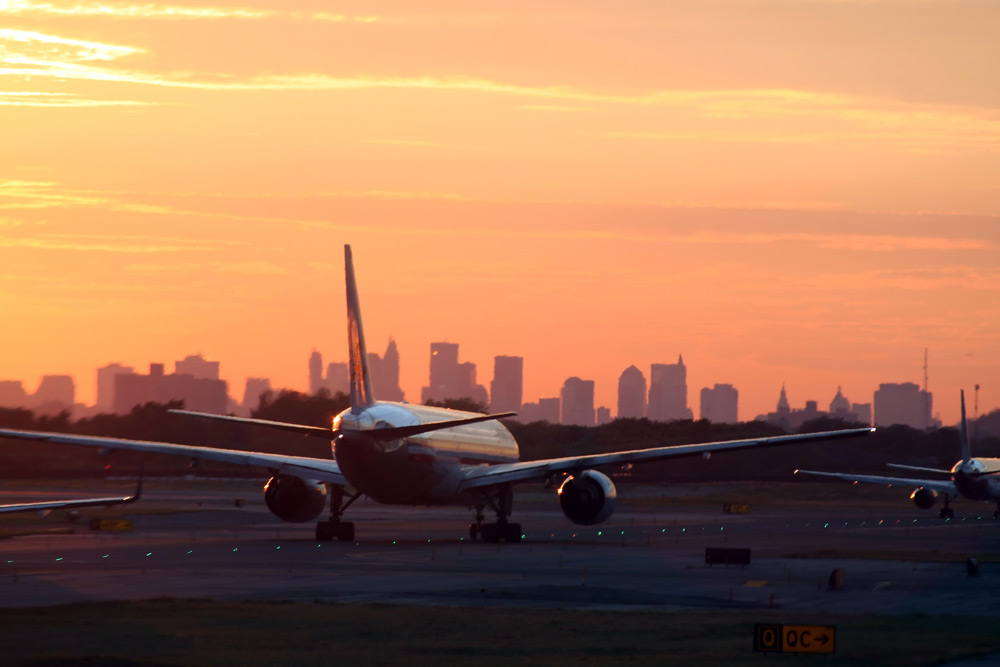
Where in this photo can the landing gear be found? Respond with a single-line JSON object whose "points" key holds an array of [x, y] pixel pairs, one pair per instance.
{"points": [[500, 502], [947, 512], [996, 512], [327, 531], [335, 529]]}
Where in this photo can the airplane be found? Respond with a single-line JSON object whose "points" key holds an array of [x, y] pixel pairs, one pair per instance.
{"points": [[974, 479], [405, 454], [49, 505]]}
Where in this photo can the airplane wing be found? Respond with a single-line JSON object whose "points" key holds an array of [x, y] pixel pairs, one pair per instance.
{"points": [[504, 473], [939, 485], [321, 470], [48, 505]]}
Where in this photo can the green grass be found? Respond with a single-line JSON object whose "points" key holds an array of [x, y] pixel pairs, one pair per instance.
{"points": [[192, 632]]}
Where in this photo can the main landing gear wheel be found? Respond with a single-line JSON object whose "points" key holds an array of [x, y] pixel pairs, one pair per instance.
{"points": [[494, 532], [947, 513], [327, 531]]}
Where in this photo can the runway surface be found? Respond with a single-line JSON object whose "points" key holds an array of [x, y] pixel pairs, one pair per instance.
{"points": [[218, 541]]}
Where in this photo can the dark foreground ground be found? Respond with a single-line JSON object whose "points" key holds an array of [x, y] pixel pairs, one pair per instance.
{"points": [[217, 580]]}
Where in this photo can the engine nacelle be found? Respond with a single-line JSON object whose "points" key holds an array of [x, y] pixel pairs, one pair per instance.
{"points": [[295, 499], [588, 498], [924, 498]]}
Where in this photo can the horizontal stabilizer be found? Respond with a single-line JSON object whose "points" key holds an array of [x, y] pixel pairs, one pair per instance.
{"points": [[395, 433], [901, 466], [381, 434], [301, 429]]}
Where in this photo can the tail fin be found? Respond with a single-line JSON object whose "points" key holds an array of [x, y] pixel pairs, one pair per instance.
{"points": [[361, 381], [966, 448]]}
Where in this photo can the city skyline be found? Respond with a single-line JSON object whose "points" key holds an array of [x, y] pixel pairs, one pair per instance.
{"points": [[785, 192], [575, 404]]}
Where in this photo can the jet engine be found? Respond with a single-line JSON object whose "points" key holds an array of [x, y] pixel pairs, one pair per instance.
{"points": [[294, 499], [924, 498], [588, 498]]}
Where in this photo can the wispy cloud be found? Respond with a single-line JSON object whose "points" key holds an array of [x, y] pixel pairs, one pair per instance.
{"points": [[61, 47], [84, 243], [826, 118], [118, 10], [42, 99], [401, 142], [562, 108]]}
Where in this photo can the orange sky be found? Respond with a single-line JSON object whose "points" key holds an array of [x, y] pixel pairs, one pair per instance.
{"points": [[797, 191]]}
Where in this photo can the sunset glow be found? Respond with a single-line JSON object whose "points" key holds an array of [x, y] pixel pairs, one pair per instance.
{"points": [[803, 192]]}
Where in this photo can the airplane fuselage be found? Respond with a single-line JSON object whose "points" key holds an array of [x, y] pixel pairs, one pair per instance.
{"points": [[420, 469], [977, 479]]}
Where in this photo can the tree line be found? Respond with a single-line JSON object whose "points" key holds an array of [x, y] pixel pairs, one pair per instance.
{"points": [[18, 458]]}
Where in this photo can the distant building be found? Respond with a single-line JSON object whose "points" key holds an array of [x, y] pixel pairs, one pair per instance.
{"points": [[197, 367], [451, 379], [338, 379], [106, 385], [198, 394], [55, 389], [315, 372], [789, 419], [632, 394], [385, 374], [603, 415], [668, 392], [840, 407], [506, 389], [255, 388], [546, 409], [12, 394], [904, 403], [549, 409], [577, 400], [862, 413], [719, 405], [783, 406]]}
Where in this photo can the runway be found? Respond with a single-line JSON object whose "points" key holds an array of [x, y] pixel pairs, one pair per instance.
{"points": [[193, 540]]}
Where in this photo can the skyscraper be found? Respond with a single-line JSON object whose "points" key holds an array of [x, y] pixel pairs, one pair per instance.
{"points": [[603, 415], [315, 371], [668, 392], [197, 367], [450, 379], [719, 404], [198, 394], [337, 379], [632, 393], [255, 387], [56, 389], [578, 402], [903, 403], [106, 385], [506, 387], [549, 409], [385, 373]]}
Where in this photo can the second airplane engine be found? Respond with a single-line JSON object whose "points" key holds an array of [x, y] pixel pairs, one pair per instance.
{"points": [[924, 498], [588, 498], [294, 499]]}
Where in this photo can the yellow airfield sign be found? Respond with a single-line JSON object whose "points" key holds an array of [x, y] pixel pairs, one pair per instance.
{"points": [[775, 638]]}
